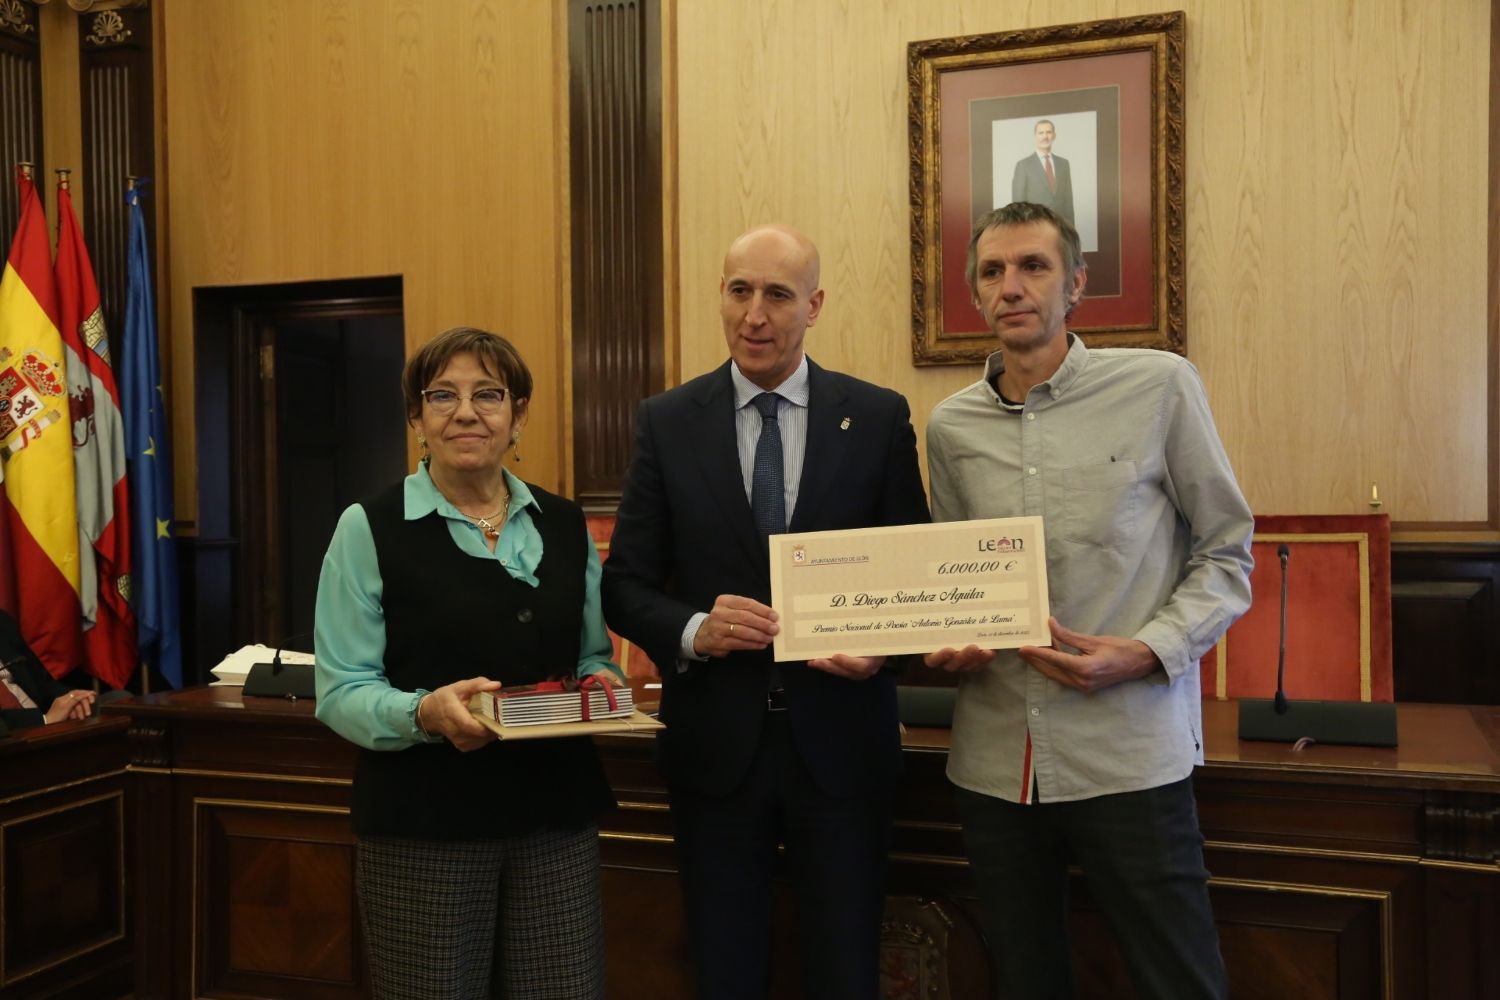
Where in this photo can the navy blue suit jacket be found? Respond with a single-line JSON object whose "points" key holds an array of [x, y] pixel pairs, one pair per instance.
{"points": [[685, 534]]}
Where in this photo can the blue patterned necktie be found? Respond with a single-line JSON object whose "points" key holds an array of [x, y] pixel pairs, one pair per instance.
{"points": [[767, 482]]}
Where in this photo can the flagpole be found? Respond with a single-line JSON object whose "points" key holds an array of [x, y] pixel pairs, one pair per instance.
{"points": [[145, 667]]}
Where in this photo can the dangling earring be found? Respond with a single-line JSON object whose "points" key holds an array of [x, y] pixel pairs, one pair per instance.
{"points": [[515, 444], [422, 445]]}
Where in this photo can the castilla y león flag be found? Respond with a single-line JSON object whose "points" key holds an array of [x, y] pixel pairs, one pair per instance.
{"points": [[98, 460], [36, 444]]}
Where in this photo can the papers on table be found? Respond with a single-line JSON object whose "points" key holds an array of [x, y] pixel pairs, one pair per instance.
{"points": [[232, 669]]}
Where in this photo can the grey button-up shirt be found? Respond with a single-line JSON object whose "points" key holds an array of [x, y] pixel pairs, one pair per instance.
{"points": [[1147, 537]]}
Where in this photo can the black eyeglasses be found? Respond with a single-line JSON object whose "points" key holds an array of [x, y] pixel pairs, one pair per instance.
{"points": [[486, 402]]}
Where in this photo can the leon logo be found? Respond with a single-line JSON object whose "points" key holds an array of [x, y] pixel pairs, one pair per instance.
{"points": [[799, 554], [28, 387]]}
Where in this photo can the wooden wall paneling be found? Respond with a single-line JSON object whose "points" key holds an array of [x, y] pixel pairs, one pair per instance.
{"points": [[20, 108], [118, 126], [1493, 367], [1331, 867], [324, 140], [1335, 350], [155, 863], [64, 878], [1464, 913], [614, 60], [1445, 617], [274, 898], [65, 919]]}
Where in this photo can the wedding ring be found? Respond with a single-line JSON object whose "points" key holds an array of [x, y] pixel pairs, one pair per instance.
{"points": [[731, 628]]}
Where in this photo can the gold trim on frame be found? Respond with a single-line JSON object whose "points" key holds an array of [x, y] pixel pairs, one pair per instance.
{"points": [[298, 779], [635, 838], [50, 789], [1322, 853], [1462, 866], [923, 858], [1160, 34], [119, 935], [633, 806]]}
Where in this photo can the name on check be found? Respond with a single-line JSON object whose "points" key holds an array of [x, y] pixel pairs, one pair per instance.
{"points": [[910, 589]]}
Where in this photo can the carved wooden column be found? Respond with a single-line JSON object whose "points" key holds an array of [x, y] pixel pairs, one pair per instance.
{"points": [[20, 107], [614, 94]]}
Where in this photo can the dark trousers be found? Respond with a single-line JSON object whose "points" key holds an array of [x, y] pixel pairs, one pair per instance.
{"points": [[835, 848], [1142, 854]]}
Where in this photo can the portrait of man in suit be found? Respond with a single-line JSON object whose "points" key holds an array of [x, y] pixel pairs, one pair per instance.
{"points": [[1042, 177], [758, 753]]}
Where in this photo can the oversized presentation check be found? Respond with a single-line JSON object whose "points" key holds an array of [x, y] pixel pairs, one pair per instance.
{"points": [[910, 589]]}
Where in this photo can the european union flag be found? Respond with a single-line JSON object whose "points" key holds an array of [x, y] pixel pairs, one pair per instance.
{"points": [[148, 456]]}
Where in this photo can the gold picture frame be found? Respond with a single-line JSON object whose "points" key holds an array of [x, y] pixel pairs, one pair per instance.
{"points": [[1113, 92]]}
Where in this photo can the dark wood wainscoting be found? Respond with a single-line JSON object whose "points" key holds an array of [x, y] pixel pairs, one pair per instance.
{"points": [[1445, 622], [1339, 873], [64, 930]]}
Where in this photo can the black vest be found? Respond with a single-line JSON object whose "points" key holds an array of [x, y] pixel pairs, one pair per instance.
{"points": [[450, 616]]}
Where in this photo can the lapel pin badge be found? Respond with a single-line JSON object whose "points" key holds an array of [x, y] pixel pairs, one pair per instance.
{"points": [[844, 424]]}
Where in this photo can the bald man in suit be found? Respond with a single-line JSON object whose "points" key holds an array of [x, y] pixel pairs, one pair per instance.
{"points": [[755, 752]]}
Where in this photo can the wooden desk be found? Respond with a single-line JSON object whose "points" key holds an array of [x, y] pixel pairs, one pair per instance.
{"points": [[63, 925], [1337, 872], [243, 855]]}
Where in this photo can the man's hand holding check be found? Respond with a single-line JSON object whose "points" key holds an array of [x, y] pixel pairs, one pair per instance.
{"points": [[1101, 661]]}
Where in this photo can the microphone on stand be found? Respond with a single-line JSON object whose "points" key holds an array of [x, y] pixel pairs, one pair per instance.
{"points": [[1283, 553], [1278, 720]]}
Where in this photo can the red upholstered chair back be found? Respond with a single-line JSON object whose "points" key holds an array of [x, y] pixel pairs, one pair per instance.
{"points": [[1338, 645], [630, 658]]}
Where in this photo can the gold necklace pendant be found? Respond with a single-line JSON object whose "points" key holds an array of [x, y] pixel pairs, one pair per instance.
{"points": [[490, 530]]}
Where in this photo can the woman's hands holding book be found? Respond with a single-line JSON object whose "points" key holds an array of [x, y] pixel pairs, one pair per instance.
{"points": [[445, 712]]}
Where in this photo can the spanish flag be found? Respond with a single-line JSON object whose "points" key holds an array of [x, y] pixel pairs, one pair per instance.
{"points": [[98, 459], [36, 444]]}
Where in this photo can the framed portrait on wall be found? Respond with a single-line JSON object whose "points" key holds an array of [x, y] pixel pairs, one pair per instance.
{"points": [[1084, 118]]}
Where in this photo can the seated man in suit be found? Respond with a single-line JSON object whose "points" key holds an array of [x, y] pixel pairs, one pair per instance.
{"points": [[25, 685], [757, 752]]}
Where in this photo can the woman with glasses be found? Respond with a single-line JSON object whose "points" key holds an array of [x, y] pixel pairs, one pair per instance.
{"points": [[477, 865]]}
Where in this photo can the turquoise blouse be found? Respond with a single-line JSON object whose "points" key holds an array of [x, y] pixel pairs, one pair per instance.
{"points": [[354, 697]]}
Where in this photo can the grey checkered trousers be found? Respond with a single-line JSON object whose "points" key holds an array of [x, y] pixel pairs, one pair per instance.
{"points": [[518, 918]]}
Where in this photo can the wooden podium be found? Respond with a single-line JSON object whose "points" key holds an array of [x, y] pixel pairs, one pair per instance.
{"points": [[1337, 872], [64, 923]]}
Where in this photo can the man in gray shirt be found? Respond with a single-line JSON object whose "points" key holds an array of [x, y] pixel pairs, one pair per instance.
{"points": [[1082, 752]]}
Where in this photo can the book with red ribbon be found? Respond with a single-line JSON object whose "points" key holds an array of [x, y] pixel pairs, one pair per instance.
{"points": [[566, 707]]}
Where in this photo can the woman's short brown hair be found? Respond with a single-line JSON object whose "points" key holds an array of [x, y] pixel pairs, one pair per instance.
{"points": [[494, 353]]}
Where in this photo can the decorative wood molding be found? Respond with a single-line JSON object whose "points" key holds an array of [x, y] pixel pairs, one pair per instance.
{"points": [[90, 6], [118, 117], [107, 28], [615, 170], [149, 746], [17, 18], [1463, 827], [20, 107]]}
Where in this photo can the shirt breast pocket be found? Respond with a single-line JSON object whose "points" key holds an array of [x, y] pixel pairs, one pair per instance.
{"points": [[1098, 503]]}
